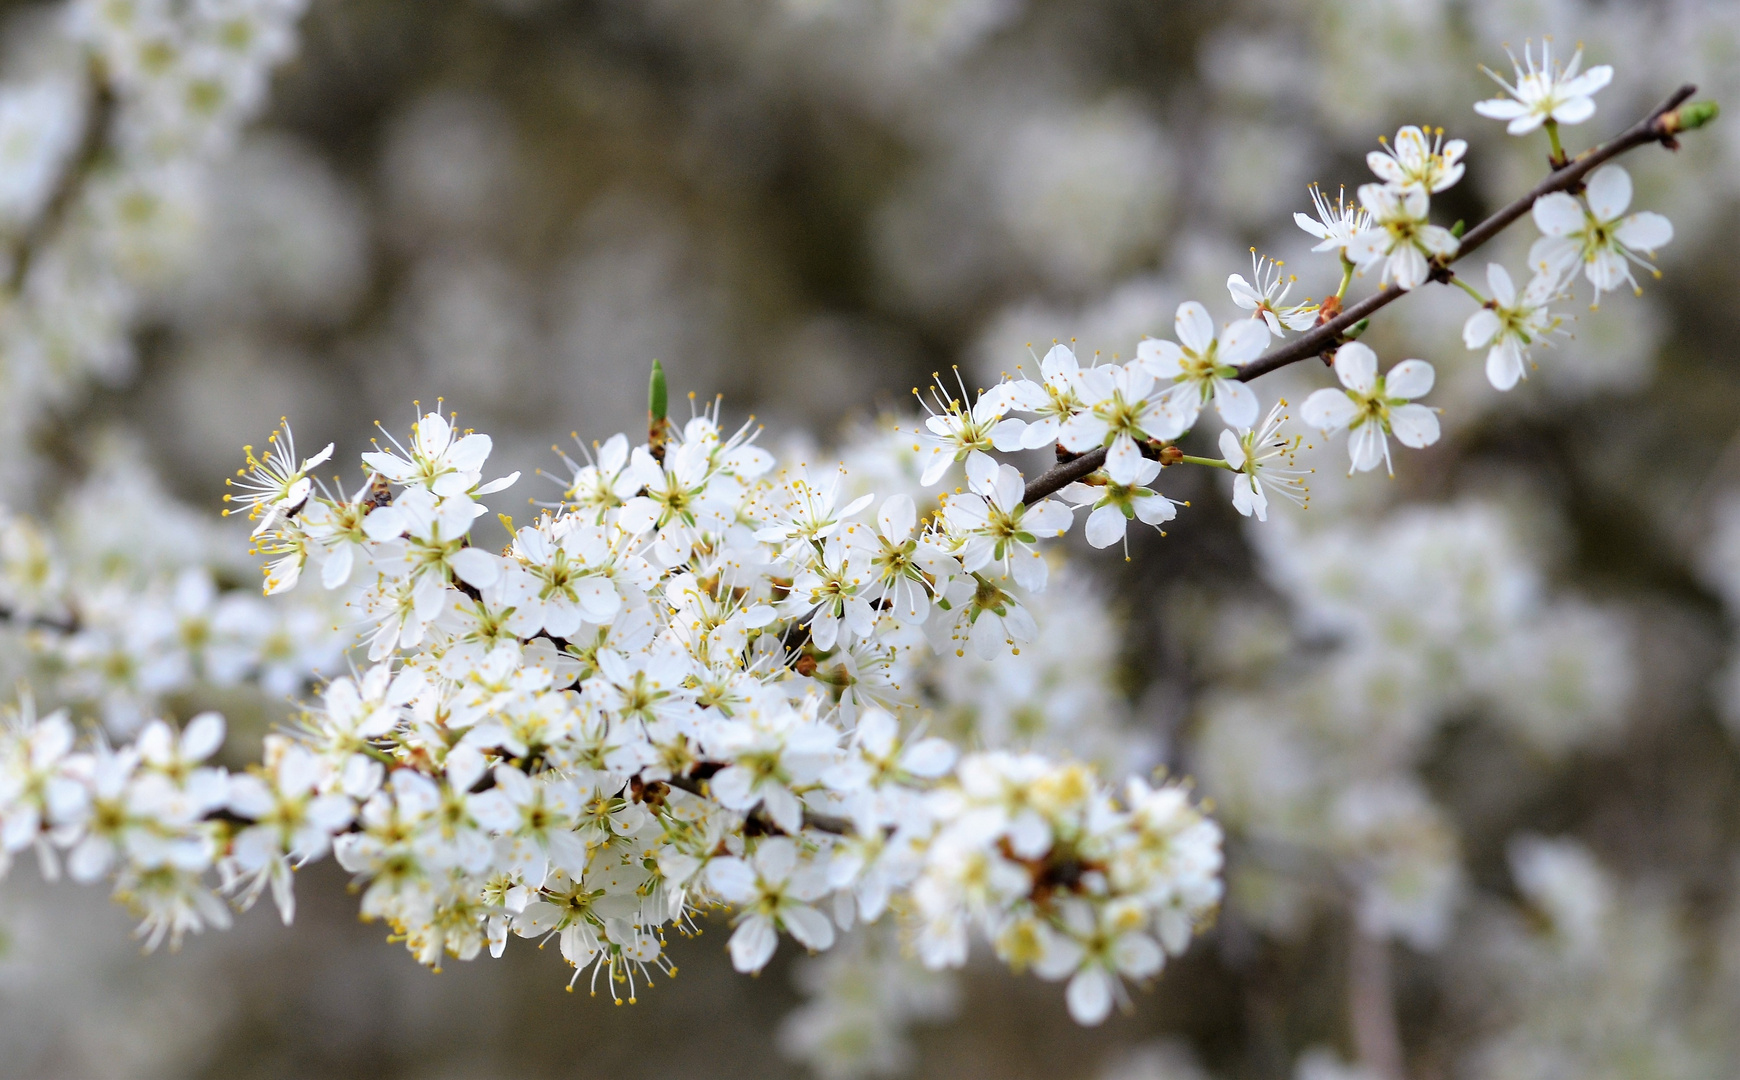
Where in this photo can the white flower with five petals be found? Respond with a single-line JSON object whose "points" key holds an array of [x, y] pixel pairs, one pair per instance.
{"points": [[1201, 366], [1400, 236], [1374, 406], [1510, 323], [1597, 233], [1545, 93]]}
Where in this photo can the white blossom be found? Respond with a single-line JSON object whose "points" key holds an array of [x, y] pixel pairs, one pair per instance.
{"points": [[1545, 92], [1373, 406]]}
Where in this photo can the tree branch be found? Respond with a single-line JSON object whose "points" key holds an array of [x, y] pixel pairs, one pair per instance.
{"points": [[66, 625], [1371, 1005], [827, 823], [1659, 126]]}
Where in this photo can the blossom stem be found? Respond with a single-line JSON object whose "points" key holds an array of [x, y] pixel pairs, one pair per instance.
{"points": [[1653, 128], [1215, 463], [1469, 289], [1558, 158], [1347, 267]]}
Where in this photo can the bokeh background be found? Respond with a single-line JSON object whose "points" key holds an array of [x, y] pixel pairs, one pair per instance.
{"points": [[1478, 712]]}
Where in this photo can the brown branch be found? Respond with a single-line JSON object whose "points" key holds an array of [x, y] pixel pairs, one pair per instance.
{"points": [[1659, 126], [827, 823], [1371, 1005], [1063, 474], [67, 625], [92, 142]]}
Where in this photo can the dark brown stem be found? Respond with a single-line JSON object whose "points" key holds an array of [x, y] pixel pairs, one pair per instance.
{"points": [[1371, 1005], [1062, 475], [83, 162], [827, 823], [1658, 127], [67, 625]]}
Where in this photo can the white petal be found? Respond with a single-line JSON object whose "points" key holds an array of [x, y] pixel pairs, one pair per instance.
{"points": [[1365, 446], [1154, 509], [476, 567], [981, 472], [1407, 267], [1329, 410], [733, 880], [1587, 83], [1105, 526], [1409, 379], [1082, 432], [1163, 359], [1242, 342], [1414, 425], [1236, 402], [1090, 996], [897, 518], [1231, 449], [1124, 460], [753, 943], [1368, 247], [1503, 290], [1609, 192], [1574, 111], [810, 927], [1356, 367], [1645, 231], [1195, 329], [1480, 328], [1504, 365], [1558, 214], [1500, 108]]}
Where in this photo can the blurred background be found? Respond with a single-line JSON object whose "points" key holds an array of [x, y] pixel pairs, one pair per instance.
{"points": [[1479, 714]]}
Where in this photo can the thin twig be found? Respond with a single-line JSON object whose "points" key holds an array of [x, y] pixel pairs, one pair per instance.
{"points": [[827, 823], [1653, 128], [1371, 1005], [68, 625]]}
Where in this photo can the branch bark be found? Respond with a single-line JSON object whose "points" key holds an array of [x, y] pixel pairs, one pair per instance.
{"points": [[827, 823], [1371, 1005], [1657, 127]]}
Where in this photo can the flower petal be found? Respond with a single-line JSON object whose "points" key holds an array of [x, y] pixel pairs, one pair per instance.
{"points": [[1236, 402], [1356, 367], [1645, 231], [1329, 410], [1481, 328], [1242, 342], [1414, 425], [1558, 214], [1409, 379], [1609, 192], [1195, 329]]}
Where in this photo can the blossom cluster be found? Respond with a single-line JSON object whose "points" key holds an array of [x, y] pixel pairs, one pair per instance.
{"points": [[129, 600], [680, 686]]}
